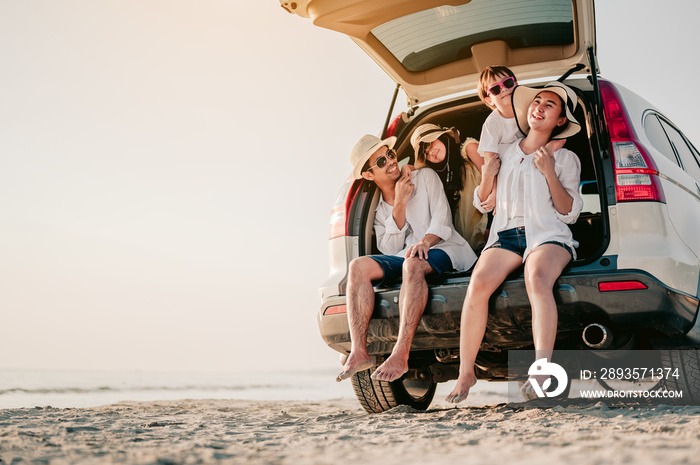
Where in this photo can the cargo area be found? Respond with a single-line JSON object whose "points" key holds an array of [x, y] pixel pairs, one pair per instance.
{"points": [[468, 116]]}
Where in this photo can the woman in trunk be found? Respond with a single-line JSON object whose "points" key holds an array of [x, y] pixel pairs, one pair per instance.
{"points": [[460, 172], [537, 197]]}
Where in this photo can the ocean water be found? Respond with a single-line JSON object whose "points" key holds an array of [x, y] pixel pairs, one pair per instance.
{"points": [[61, 389]]}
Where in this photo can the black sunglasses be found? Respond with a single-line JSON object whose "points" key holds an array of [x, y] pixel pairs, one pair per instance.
{"points": [[383, 160], [507, 83]]}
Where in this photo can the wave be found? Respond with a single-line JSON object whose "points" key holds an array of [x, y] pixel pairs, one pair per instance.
{"points": [[70, 388], [103, 389]]}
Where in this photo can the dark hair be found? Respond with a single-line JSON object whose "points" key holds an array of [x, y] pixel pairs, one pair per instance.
{"points": [[559, 129], [451, 171], [365, 167]]}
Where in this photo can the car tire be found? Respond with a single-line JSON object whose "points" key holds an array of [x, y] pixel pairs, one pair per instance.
{"points": [[687, 361], [377, 396]]}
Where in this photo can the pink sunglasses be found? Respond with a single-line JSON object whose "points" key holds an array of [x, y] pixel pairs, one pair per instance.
{"points": [[507, 83]]}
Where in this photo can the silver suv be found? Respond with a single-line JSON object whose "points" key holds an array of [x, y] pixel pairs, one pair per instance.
{"points": [[635, 283]]}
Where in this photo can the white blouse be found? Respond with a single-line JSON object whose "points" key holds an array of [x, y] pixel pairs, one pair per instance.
{"points": [[543, 223], [427, 212]]}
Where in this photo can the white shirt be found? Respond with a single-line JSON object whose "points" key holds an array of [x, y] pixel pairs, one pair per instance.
{"points": [[496, 131], [543, 223], [427, 212], [516, 214]]}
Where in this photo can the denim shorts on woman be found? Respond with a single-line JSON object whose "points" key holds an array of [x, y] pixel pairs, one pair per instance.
{"points": [[514, 241], [392, 265]]}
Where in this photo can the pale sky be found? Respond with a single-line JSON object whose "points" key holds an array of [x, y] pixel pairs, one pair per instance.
{"points": [[168, 169]]}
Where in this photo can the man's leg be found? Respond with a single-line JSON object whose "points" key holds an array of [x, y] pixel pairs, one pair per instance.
{"points": [[413, 298], [360, 305]]}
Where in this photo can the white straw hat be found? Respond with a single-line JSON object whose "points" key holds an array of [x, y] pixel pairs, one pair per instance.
{"points": [[364, 149], [429, 133], [523, 97]]}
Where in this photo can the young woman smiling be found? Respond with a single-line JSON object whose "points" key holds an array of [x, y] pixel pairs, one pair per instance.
{"points": [[537, 197]]}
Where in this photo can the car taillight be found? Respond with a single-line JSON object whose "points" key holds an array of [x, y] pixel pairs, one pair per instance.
{"points": [[391, 129], [336, 310], [620, 286], [339, 212], [636, 177]]}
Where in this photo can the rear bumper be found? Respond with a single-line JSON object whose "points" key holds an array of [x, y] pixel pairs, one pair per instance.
{"points": [[656, 311]]}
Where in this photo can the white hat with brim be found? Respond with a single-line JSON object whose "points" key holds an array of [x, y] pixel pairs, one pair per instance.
{"points": [[428, 133], [363, 150], [523, 97]]}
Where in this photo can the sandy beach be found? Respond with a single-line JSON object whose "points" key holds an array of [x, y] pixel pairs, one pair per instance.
{"points": [[339, 431]]}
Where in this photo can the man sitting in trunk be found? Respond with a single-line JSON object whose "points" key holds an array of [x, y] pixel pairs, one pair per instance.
{"points": [[414, 230]]}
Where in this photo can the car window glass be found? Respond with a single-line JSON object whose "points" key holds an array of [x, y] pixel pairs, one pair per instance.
{"points": [[690, 163], [441, 35], [658, 137], [696, 154]]}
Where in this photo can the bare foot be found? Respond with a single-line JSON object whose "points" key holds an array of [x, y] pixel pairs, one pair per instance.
{"points": [[392, 369], [354, 364], [461, 390], [529, 391]]}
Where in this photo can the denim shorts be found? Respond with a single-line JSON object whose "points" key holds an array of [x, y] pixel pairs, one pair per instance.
{"points": [[392, 265], [514, 241]]}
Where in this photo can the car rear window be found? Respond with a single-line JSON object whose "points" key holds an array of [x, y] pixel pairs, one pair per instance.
{"points": [[431, 38]]}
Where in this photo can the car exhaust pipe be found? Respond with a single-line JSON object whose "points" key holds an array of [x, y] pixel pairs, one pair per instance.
{"points": [[597, 336]]}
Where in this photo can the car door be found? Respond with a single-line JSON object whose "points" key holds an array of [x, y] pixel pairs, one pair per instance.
{"points": [[682, 186]]}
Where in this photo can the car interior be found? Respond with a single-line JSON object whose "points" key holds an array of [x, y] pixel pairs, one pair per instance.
{"points": [[468, 117]]}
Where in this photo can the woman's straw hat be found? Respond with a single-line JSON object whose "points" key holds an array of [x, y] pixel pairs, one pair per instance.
{"points": [[428, 133], [523, 97]]}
